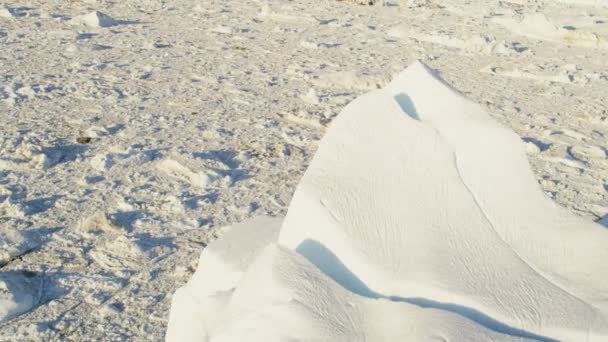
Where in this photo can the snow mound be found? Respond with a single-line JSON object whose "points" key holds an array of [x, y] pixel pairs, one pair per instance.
{"points": [[12, 244], [196, 305], [538, 26], [418, 217], [5, 12], [599, 3], [180, 170], [19, 293], [95, 19]]}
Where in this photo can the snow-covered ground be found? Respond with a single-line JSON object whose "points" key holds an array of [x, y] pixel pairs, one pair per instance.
{"points": [[405, 228], [202, 114]]}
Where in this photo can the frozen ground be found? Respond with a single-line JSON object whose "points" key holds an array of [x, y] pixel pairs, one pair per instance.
{"points": [[203, 114]]}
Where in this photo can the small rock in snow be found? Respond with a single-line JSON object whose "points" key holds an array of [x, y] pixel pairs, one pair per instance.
{"points": [[83, 140]]}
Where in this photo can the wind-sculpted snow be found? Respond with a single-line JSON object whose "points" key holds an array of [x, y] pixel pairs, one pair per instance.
{"points": [[418, 219]]}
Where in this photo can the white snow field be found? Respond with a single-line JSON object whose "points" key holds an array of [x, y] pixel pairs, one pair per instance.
{"points": [[418, 217], [132, 131]]}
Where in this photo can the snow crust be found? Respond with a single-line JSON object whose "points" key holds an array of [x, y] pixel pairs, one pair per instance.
{"points": [[418, 217]]}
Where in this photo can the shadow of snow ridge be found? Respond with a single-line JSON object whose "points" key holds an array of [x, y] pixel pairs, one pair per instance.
{"points": [[330, 264]]}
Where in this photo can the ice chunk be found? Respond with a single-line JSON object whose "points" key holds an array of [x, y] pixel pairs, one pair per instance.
{"points": [[95, 19]]}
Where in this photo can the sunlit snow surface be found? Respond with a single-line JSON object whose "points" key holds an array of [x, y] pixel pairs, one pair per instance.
{"points": [[418, 219]]}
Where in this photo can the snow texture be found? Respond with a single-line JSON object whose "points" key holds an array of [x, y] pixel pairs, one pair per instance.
{"points": [[418, 217], [124, 149]]}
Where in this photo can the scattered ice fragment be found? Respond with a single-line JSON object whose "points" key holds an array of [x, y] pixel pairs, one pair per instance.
{"points": [[32, 150], [175, 169], [96, 132], [102, 162], [311, 97], [12, 244], [309, 45], [223, 30], [119, 253], [531, 148], [5, 12], [95, 19], [587, 152], [99, 222], [11, 207]]}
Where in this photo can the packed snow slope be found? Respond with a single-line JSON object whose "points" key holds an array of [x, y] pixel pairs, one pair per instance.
{"points": [[418, 207], [131, 131]]}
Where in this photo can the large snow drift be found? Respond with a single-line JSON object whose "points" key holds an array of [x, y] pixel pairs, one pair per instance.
{"points": [[418, 219]]}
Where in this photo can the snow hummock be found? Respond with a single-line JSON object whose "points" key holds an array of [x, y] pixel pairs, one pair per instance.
{"points": [[195, 304], [418, 217], [18, 293], [538, 26], [95, 19], [12, 244], [5, 12]]}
